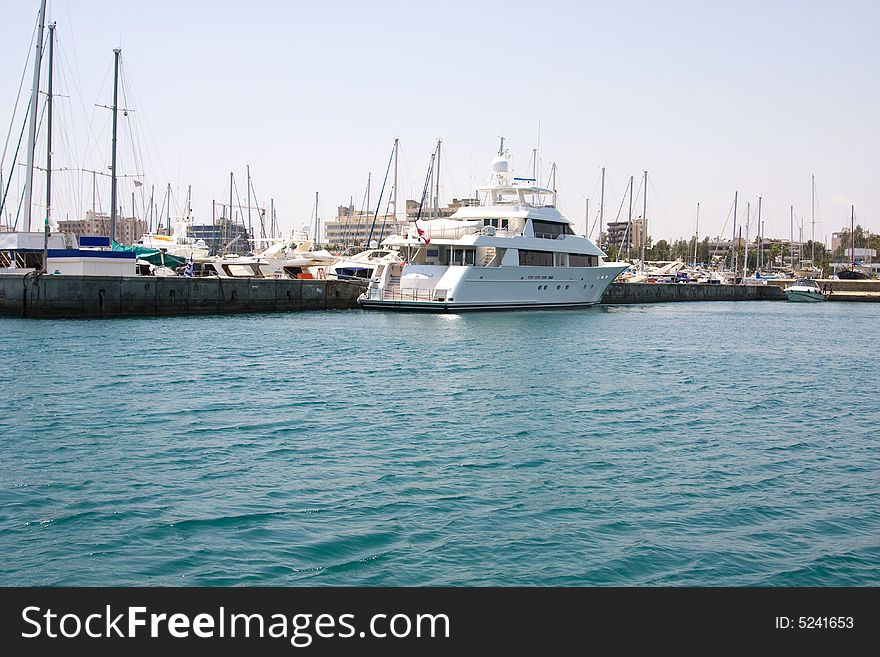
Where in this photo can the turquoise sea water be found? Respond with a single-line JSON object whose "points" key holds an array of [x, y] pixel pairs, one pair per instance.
{"points": [[675, 444]]}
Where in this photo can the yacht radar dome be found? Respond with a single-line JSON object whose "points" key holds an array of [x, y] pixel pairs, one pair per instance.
{"points": [[500, 165]]}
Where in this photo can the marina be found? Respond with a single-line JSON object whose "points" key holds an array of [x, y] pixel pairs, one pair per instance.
{"points": [[298, 295]]}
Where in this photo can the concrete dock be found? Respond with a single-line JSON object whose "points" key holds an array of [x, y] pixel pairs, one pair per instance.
{"points": [[623, 293], [837, 290], [26, 295]]}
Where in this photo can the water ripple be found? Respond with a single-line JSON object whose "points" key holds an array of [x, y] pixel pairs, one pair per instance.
{"points": [[672, 444]]}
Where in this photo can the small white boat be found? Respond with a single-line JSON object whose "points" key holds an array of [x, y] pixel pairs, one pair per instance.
{"points": [[804, 289]]}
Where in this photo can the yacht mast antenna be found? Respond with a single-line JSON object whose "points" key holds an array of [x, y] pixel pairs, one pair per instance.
{"points": [[501, 148]]}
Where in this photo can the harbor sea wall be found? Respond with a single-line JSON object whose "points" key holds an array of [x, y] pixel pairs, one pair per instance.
{"points": [[26, 295], [663, 292], [838, 290]]}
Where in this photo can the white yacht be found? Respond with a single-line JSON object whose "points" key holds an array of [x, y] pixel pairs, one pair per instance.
{"points": [[363, 265], [289, 257], [177, 244], [804, 289], [507, 251]]}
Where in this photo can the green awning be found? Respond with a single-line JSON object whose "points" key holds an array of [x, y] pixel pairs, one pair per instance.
{"points": [[153, 256]]}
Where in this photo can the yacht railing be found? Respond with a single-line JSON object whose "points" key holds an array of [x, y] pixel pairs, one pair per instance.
{"points": [[401, 294], [407, 294]]}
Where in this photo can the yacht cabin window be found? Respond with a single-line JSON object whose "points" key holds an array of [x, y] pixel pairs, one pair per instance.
{"points": [[535, 258], [550, 229], [578, 260], [462, 256]]}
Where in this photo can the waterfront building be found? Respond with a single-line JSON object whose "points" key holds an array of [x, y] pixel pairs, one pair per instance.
{"points": [[222, 236], [625, 236], [352, 227], [128, 229]]}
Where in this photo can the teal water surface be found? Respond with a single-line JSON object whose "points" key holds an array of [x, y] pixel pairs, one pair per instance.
{"points": [[676, 444]]}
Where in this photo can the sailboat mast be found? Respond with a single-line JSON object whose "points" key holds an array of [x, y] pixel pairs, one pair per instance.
{"points": [[746, 256], [32, 119], [736, 269], [601, 203], [733, 258], [587, 218], [396, 153], [271, 218], [813, 220], [630, 221], [317, 240], [697, 235], [437, 180], [250, 222], [644, 218], [852, 238], [48, 153], [761, 232], [791, 235], [152, 191], [116, 52]]}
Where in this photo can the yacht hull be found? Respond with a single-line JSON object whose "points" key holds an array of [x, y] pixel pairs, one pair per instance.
{"points": [[446, 307], [804, 296]]}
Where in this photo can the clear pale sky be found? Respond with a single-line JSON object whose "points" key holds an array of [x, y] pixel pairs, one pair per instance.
{"points": [[709, 97]]}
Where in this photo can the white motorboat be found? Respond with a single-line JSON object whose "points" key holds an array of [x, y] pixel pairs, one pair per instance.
{"points": [[510, 251], [804, 289], [290, 257], [363, 265], [177, 244]]}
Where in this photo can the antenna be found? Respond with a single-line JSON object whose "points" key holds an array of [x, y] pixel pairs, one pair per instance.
{"points": [[501, 147]]}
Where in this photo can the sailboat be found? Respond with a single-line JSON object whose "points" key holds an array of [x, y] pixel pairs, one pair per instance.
{"points": [[852, 274]]}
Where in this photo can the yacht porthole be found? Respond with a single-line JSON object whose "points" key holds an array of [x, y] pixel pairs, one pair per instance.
{"points": [[566, 287], [558, 287]]}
